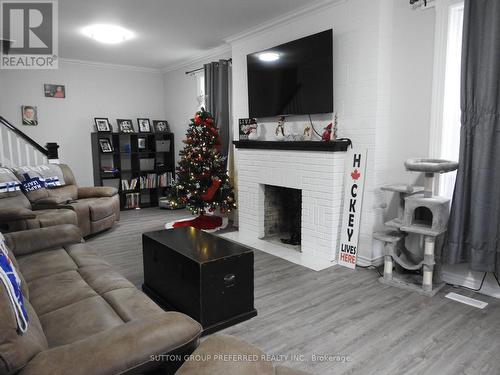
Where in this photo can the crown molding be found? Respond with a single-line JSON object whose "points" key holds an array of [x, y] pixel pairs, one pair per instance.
{"points": [[204, 56], [313, 8], [198, 58], [97, 64]]}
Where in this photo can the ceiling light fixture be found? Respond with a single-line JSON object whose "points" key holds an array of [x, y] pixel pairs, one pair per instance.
{"points": [[269, 56], [109, 34]]}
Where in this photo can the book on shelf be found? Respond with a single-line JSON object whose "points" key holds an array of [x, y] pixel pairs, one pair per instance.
{"points": [[133, 200], [129, 184], [148, 181]]}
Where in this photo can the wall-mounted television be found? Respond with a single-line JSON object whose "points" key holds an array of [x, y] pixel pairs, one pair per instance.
{"points": [[294, 78]]}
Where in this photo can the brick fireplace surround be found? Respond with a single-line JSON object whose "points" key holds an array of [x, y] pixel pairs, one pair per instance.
{"points": [[319, 174]]}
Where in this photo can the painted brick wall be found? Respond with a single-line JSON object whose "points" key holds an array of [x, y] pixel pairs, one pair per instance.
{"points": [[320, 177]]}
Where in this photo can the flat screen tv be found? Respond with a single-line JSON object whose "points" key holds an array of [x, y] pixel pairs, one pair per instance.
{"points": [[294, 78]]}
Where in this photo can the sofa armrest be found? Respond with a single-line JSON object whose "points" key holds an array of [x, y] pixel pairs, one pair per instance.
{"points": [[125, 347], [13, 214], [96, 192], [33, 240]]}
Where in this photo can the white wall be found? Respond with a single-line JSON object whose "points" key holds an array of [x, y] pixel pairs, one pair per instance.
{"points": [[91, 91], [382, 86], [180, 97]]}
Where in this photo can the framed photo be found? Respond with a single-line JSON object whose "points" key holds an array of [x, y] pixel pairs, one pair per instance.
{"points": [[54, 91], [102, 125], [125, 126], [141, 143], [105, 145], [161, 126], [29, 115], [144, 125]]}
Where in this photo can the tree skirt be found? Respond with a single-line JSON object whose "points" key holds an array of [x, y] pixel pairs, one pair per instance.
{"points": [[207, 223]]}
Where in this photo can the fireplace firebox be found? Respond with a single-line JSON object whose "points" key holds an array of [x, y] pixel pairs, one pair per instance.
{"points": [[282, 214]]}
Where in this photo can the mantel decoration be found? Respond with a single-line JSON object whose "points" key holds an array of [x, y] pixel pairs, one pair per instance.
{"points": [[202, 181]]}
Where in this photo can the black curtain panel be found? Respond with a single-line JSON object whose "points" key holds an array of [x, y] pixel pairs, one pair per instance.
{"points": [[474, 226], [217, 98]]}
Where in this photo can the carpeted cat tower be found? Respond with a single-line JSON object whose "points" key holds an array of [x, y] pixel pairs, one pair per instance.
{"points": [[422, 213]]}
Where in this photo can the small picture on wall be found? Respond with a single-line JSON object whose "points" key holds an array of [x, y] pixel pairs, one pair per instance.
{"points": [[30, 115], [125, 126], [105, 145], [141, 143], [102, 125], [54, 91], [144, 125], [161, 126]]}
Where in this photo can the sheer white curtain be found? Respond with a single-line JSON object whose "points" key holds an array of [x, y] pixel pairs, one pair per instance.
{"points": [[450, 134]]}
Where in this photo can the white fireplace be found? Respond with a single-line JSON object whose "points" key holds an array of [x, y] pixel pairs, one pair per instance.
{"points": [[319, 176]]}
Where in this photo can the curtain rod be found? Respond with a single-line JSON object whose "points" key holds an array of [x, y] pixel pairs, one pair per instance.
{"points": [[197, 70]]}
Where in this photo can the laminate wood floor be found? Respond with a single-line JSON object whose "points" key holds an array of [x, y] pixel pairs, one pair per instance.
{"points": [[339, 313]]}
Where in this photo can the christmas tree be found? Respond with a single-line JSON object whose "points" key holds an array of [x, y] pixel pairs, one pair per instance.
{"points": [[202, 180]]}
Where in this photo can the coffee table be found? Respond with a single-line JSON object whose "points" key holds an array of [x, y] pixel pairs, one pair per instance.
{"points": [[204, 276]]}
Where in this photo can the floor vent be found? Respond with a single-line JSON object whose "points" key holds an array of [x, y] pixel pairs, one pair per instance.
{"points": [[467, 300]]}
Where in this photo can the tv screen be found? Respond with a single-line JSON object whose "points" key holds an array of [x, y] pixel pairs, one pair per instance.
{"points": [[294, 78]]}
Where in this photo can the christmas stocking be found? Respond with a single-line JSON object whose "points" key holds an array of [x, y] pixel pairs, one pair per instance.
{"points": [[209, 194]]}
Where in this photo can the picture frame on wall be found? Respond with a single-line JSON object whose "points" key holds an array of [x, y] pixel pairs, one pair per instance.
{"points": [[29, 115], [106, 146], [102, 125], [54, 91], [144, 125], [161, 126], [141, 143]]}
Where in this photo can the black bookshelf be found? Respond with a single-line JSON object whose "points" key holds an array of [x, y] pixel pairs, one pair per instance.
{"points": [[151, 165]]}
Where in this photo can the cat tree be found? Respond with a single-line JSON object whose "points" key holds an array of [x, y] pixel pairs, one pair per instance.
{"points": [[423, 213]]}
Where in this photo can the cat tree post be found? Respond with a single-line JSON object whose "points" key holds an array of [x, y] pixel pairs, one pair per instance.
{"points": [[428, 267]]}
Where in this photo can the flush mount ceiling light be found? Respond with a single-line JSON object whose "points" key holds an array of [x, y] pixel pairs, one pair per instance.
{"points": [[269, 56], [109, 34]]}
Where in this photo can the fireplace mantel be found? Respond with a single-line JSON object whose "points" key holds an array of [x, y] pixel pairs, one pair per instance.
{"points": [[332, 146]]}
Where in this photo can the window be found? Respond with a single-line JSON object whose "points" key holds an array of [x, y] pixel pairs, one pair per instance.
{"points": [[200, 89], [445, 137]]}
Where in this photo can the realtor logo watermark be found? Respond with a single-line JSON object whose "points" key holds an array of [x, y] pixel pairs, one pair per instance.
{"points": [[29, 34]]}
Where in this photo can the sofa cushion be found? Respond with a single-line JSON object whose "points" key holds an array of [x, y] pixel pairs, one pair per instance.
{"points": [[85, 256], [16, 349], [119, 349], [131, 303], [46, 263], [58, 290], [83, 318]]}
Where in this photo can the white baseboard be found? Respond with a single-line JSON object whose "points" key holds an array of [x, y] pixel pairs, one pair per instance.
{"points": [[365, 261]]}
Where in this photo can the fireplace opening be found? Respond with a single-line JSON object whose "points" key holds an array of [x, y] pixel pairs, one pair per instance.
{"points": [[283, 215]]}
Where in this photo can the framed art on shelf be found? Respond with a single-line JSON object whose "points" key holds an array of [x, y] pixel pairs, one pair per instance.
{"points": [[141, 143], [106, 146], [102, 125], [144, 125], [161, 126], [125, 126]]}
